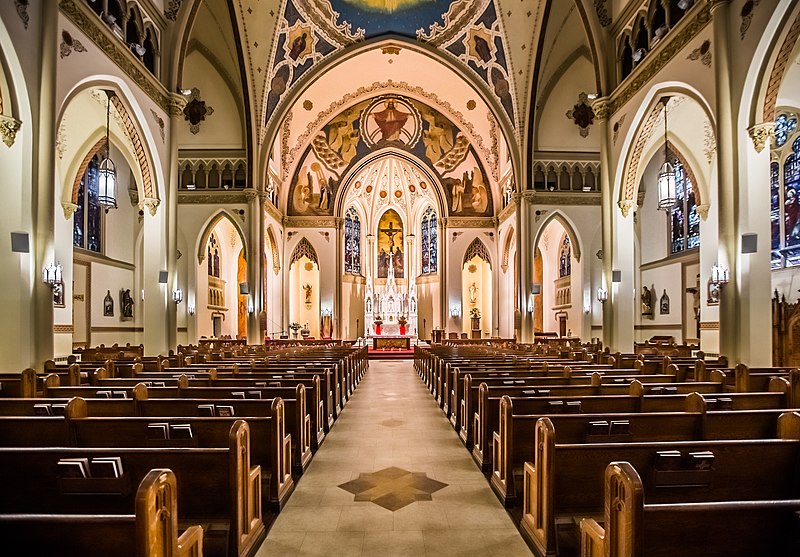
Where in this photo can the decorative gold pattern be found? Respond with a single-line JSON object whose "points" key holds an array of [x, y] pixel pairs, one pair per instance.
{"points": [[476, 249], [761, 134], [8, 129], [782, 62], [66, 329], [304, 248], [709, 325]]}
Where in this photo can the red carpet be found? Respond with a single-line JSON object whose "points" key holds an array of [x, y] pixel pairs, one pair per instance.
{"points": [[389, 354]]}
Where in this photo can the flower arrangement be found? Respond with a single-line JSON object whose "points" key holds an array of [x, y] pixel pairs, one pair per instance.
{"points": [[294, 326], [475, 313], [402, 320]]}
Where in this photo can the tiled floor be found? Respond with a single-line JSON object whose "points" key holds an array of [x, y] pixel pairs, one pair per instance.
{"points": [[392, 422]]}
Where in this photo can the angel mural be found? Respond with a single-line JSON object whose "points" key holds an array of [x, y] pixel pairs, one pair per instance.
{"points": [[438, 138], [343, 135]]}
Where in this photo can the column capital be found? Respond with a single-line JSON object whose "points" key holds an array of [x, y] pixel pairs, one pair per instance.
{"points": [[151, 204], [8, 129], [602, 108], [702, 210], [251, 194], [626, 205], [714, 4], [760, 134], [175, 104], [69, 209]]}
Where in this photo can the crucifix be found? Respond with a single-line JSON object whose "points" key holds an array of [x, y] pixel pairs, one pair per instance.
{"points": [[390, 232]]}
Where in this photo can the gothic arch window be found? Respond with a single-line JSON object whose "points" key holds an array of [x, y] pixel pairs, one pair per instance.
{"points": [[684, 221], [352, 242], [87, 226], [430, 242], [565, 258], [784, 190], [213, 255]]}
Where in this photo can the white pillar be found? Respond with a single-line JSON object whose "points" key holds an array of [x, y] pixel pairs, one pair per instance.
{"points": [[176, 106], [157, 296]]}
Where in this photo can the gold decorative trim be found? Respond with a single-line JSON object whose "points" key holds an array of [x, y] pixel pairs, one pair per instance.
{"points": [[709, 325], [626, 205], [117, 329], [151, 204], [654, 326], [88, 23], [66, 329], [272, 210], [8, 129], [69, 209], [507, 211], [466, 222], [761, 134], [549, 198], [309, 222], [221, 198]]}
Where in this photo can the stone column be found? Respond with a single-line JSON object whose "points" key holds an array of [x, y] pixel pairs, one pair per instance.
{"points": [[338, 317], [43, 194], [410, 260], [444, 268], [525, 264], [602, 113], [727, 180], [254, 263], [176, 105]]}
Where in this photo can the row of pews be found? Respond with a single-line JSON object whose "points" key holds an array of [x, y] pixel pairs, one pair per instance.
{"points": [[628, 455], [190, 454]]}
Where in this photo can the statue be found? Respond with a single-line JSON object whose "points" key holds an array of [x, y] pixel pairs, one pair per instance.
{"points": [[473, 293], [307, 290], [126, 301], [647, 302]]}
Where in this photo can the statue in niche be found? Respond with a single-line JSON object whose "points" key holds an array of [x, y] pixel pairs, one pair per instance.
{"points": [[647, 302], [108, 305], [307, 290], [126, 304], [473, 293], [369, 305]]}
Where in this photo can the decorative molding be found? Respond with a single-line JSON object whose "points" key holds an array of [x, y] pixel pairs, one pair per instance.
{"points": [[8, 129], [250, 194], [151, 204], [88, 22], [709, 325], [555, 198], [582, 114], [272, 210], [276, 260], [709, 141], [63, 329], [69, 209], [507, 212], [304, 249], [160, 121], [746, 14], [602, 12], [22, 11], [221, 198], [61, 138], [176, 105], [617, 125], [702, 53], [117, 329], [702, 210], [466, 222], [476, 249], [761, 134], [68, 44], [196, 111], [309, 222], [626, 205], [782, 61]]}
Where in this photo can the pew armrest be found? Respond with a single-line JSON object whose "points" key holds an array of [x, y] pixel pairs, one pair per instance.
{"points": [[254, 486], [593, 538], [190, 543]]}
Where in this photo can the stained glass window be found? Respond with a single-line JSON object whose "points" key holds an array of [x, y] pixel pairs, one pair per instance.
{"points": [[684, 220], [213, 256], [775, 213], [87, 226], [429, 242], [784, 126], [565, 258], [352, 242]]}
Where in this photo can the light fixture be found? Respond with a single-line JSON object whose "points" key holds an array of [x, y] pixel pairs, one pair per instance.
{"points": [[531, 305], [177, 295], [52, 274], [251, 308], [143, 294], [190, 309], [455, 311], [107, 172], [602, 295], [667, 196], [719, 275]]}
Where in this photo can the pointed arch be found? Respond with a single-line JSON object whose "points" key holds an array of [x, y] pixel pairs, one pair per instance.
{"points": [[477, 249], [304, 248], [562, 219], [273, 246], [222, 214], [76, 183], [507, 249]]}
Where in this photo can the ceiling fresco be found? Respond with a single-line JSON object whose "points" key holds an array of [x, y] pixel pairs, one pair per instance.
{"points": [[467, 30], [407, 127]]}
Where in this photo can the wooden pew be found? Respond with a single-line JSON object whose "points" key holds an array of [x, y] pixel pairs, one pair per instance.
{"points": [[152, 531], [635, 526], [565, 481], [217, 486]]}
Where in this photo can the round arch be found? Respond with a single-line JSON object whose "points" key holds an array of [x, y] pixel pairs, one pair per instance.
{"points": [[629, 166], [209, 227]]}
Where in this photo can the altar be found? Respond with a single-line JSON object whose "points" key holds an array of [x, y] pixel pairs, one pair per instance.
{"points": [[382, 342]]}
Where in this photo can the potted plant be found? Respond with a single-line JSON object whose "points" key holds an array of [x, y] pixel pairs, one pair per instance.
{"points": [[402, 322], [294, 326], [475, 318], [378, 322]]}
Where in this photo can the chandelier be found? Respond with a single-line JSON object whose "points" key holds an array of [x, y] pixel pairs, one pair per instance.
{"points": [[667, 196], [107, 171]]}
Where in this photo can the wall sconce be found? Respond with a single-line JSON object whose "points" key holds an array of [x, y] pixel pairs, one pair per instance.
{"points": [[190, 309], [531, 305], [177, 295], [251, 308], [52, 274], [719, 275], [455, 312], [602, 295], [143, 294]]}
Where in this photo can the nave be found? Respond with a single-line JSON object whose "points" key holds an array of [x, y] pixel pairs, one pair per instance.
{"points": [[393, 422]]}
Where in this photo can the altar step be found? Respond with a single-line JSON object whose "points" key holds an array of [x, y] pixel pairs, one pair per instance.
{"points": [[390, 354]]}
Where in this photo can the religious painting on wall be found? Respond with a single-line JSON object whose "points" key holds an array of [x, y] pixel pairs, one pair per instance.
{"points": [[390, 241], [108, 305], [406, 125]]}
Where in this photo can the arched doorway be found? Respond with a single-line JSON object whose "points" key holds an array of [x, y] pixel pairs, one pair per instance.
{"points": [[476, 291], [304, 288]]}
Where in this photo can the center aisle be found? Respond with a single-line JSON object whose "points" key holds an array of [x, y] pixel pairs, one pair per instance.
{"points": [[418, 490]]}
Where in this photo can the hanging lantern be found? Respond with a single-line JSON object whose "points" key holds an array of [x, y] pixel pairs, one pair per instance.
{"points": [[107, 171], [667, 188]]}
